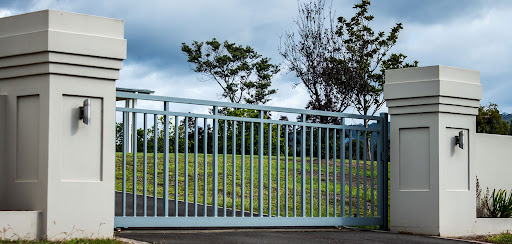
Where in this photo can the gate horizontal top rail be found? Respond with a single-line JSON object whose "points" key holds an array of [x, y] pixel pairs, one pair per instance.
{"points": [[236, 166], [130, 95]]}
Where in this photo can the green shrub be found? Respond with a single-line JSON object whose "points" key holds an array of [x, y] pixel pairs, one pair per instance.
{"points": [[498, 205]]}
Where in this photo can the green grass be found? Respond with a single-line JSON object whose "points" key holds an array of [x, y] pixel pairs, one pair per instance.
{"points": [[73, 241], [500, 238], [238, 167]]}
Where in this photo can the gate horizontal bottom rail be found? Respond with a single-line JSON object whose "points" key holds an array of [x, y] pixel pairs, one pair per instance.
{"points": [[125, 222]]}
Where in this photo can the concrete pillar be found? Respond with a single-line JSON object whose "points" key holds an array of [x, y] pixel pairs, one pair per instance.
{"points": [[432, 178], [50, 62]]}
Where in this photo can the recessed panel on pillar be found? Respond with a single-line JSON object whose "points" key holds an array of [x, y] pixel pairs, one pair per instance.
{"points": [[82, 152], [457, 163], [27, 138], [414, 163]]}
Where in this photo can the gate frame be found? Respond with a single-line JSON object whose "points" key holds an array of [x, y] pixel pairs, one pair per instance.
{"points": [[214, 221]]}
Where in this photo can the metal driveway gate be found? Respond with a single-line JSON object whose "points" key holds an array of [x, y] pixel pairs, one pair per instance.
{"points": [[235, 166]]}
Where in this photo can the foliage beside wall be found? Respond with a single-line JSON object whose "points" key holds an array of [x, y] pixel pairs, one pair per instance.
{"points": [[495, 205], [490, 121]]}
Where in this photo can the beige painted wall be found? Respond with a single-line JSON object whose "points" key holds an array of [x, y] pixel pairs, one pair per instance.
{"points": [[3, 173], [493, 160], [50, 61], [433, 181], [20, 225], [493, 166]]}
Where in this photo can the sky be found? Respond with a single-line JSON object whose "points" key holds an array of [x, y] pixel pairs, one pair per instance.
{"points": [[472, 34]]}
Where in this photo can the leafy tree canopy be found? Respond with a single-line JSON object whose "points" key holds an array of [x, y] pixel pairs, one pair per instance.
{"points": [[242, 73], [306, 52], [341, 61], [489, 120], [366, 58]]}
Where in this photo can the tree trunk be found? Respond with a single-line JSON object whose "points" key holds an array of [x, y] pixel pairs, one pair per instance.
{"points": [[367, 136]]}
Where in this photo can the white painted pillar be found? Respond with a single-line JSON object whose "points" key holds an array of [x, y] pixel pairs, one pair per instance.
{"points": [[50, 62], [432, 179]]}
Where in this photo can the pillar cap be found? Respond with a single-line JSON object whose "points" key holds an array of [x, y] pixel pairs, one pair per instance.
{"points": [[65, 32], [433, 89], [57, 42], [434, 72]]}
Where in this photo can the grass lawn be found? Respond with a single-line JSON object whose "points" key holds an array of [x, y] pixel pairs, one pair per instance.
{"points": [[500, 238], [503, 238], [233, 196]]}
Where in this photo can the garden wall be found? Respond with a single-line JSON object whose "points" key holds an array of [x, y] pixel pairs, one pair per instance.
{"points": [[493, 168], [493, 161]]}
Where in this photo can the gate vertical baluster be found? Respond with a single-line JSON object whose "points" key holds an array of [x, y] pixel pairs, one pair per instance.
{"points": [[251, 172], [242, 172], [134, 156], [334, 182], [303, 166], [372, 178], [176, 164], [379, 169], [358, 162], [155, 165], [278, 171], [145, 169], [233, 168], [286, 171], [269, 167], [224, 160], [311, 155], [205, 168], [166, 161], [342, 165], [294, 171], [327, 172], [215, 161], [185, 163], [196, 161], [350, 173], [319, 165], [224, 170], [365, 147], [260, 165], [125, 146]]}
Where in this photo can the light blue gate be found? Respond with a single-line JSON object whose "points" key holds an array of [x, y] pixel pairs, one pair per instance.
{"points": [[235, 166]]}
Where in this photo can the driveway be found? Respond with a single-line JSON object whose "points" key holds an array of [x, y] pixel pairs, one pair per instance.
{"points": [[294, 235]]}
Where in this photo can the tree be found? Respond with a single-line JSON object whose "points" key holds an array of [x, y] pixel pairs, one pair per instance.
{"points": [[242, 73], [489, 120], [306, 53], [341, 63], [119, 137], [346, 59], [366, 58]]}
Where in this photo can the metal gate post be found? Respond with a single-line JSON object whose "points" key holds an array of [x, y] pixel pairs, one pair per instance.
{"points": [[385, 178]]}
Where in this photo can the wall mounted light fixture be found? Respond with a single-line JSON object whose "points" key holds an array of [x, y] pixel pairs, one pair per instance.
{"points": [[85, 112], [459, 140]]}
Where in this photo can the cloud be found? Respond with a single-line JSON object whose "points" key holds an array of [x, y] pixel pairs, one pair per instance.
{"points": [[481, 43], [473, 34], [5, 13]]}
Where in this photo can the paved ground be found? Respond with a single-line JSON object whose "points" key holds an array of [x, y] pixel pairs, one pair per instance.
{"points": [[316, 236], [244, 235]]}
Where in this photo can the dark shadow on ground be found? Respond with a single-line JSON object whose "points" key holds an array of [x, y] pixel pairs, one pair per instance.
{"points": [[171, 207]]}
